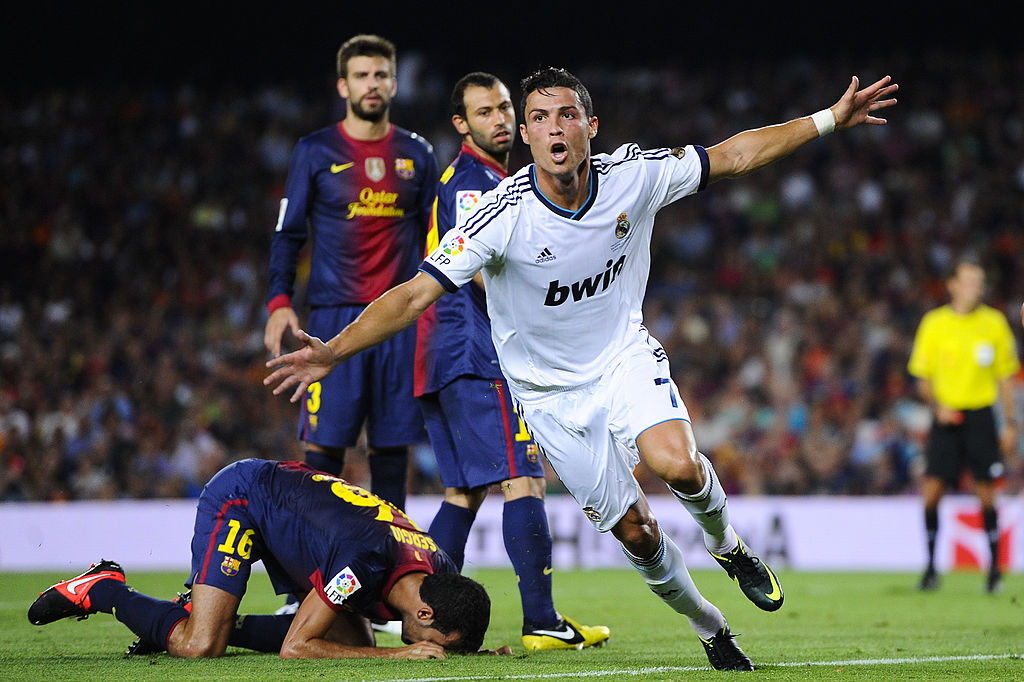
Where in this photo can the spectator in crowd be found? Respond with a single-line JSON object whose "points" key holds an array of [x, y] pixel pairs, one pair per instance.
{"points": [[787, 303]]}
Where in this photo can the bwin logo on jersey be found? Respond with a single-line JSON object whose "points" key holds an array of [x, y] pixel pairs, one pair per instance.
{"points": [[559, 293]]}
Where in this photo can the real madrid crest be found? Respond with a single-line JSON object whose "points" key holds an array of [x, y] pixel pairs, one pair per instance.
{"points": [[621, 226], [375, 168]]}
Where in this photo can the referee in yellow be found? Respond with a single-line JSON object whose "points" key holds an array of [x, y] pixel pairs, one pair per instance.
{"points": [[964, 357]]}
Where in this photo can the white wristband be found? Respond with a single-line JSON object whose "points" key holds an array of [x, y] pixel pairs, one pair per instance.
{"points": [[824, 121]]}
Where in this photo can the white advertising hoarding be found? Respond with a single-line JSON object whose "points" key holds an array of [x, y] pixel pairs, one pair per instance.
{"points": [[802, 533]]}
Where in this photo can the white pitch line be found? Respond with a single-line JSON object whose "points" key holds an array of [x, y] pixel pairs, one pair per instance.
{"points": [[698, 668]]}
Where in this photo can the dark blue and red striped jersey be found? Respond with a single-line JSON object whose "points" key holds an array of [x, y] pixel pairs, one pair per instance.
{"points": [[453, 338], [318, 532], [367, 204]]}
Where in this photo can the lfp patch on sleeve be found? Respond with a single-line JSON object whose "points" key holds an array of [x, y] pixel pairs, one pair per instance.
{"points": [[466, 199], [342, 586]]}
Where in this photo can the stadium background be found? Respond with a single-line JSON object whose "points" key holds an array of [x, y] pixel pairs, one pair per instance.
{"points": [[143, 151]]}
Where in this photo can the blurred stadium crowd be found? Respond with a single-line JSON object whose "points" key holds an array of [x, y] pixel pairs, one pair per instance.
{"points": [[136, 225]]}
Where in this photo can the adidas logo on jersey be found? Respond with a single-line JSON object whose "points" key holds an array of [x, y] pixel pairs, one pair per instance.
{"points": [[585, 288], [544, 256]]}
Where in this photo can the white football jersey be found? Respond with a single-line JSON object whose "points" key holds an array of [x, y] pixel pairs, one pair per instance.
{"points": [[565, 288]]}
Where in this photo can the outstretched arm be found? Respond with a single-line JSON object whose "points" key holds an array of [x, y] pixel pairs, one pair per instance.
{"points": [[318, 632], [745, 152], [392, 312]]}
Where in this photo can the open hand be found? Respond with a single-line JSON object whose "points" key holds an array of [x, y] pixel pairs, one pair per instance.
{"points": [[857, 106], [302, 367]]}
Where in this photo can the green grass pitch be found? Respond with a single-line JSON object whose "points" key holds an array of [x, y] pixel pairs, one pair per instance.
{"points": [[833, 626]]}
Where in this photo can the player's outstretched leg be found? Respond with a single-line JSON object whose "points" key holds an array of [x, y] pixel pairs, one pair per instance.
{"points": [[723, 653], [665, 573], [71, 597], [710, 510]]}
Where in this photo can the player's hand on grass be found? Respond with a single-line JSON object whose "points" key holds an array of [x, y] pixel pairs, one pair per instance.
{"points": [[857, 106], [504, 650], [420, 651], [273, 333], [302, 367]]}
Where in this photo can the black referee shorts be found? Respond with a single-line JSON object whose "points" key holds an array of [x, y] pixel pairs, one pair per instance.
{"points": [[973, 444]]}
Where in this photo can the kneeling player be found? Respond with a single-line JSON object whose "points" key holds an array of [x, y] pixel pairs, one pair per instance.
{"points": [[348, 555]]}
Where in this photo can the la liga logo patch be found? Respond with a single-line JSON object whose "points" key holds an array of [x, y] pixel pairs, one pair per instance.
{"points": [[342, 586], [466, 199], [455, 246]]}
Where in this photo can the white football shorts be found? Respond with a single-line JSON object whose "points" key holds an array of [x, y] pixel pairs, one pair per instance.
{"points": [[588, 434]]}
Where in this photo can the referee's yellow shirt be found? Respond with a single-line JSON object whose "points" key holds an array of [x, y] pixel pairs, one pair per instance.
{"points": [[964, 356]]}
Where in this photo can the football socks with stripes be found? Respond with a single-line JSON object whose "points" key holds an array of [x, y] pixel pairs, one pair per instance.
{"points": [[710, 510]]}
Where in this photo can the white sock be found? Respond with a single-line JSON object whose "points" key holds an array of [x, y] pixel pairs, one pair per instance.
{"points": [[665, 573], [710, 510]]}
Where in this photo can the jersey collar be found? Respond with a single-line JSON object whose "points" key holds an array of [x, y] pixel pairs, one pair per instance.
{"points": [[387, 136], [558, 210], [466, 149]]}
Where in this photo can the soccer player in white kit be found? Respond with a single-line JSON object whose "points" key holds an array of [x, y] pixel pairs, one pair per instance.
{"points": [[564, 249]]}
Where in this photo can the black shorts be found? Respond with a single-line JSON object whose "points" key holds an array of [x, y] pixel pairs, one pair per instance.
{"points": [[971, 445]]}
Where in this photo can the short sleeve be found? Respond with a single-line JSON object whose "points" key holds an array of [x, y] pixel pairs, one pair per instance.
{"points": [[478, 240], [675, 173]]}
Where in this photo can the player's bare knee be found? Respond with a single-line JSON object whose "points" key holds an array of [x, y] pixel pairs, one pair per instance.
{"points": [[290, 650], [197, 647], [522, 486], [685, 472], [638, 532], [467, 498]]}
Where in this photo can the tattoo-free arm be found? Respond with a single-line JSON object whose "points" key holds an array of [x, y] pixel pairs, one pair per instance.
{"points": [[392, 312], [745, 152]]}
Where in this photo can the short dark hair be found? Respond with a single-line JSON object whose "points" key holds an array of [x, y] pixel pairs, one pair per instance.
{"points": [[460, 605], [969, 259], [365, 45], [478, 78], [551, 77]]}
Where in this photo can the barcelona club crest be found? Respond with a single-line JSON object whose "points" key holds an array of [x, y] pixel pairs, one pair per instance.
{"points": [[375, 168], [531, 452], [621, 226], [405, 169], [230, 566]]}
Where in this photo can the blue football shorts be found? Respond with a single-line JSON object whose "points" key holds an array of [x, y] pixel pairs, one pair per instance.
{"points": [[375, 387], [225, 542], [476, 435]]}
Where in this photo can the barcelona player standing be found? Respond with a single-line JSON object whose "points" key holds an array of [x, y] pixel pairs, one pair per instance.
{"points": [[364, 188], [475, 433]]}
